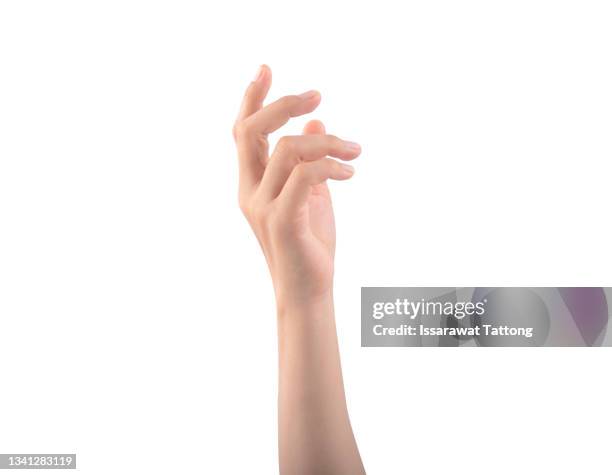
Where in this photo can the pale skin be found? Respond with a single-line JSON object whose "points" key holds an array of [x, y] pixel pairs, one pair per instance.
{"points": [[285, 198]]}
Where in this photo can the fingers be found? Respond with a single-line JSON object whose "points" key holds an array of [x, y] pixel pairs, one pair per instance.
{"points": [[290, 151], [256, 92], [305, 175], [277, 114], [251, 167], [255, 123], [312, 147], [314, 127]]}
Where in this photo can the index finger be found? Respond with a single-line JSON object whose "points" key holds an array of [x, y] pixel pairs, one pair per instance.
{"points": [[251, 168], [256, 92]]}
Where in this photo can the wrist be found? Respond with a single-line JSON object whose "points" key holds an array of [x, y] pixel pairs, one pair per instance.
{"points": [[308, 305]]}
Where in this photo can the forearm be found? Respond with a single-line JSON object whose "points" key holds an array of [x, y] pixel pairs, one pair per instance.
{"points": [[285, 198], [315, 435]]}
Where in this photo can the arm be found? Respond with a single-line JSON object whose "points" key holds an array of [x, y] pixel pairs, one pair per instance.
{"points": [[315, 434], [287, 203]]}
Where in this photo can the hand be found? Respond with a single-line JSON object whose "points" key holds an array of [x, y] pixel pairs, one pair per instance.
{"points": [[285, 196], [285, 199]]}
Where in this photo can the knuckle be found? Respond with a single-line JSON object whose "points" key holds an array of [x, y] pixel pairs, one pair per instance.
{"points": [[244, 206], [335, 141], [237, 130], [249, 206], [301, 171], [328, 167], [288, 101], [241, 129], [285, 145]]}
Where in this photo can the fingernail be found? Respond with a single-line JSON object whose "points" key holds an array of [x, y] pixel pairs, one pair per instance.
{"points": [[352, 146], [349, 170], [258, 74], [308, 95]]}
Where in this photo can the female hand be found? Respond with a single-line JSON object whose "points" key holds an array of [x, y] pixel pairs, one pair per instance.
{"points": [[285, 199], [284, 196]]}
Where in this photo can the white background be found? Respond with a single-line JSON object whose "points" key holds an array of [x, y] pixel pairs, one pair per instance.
{"points": [[137, 322]]}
